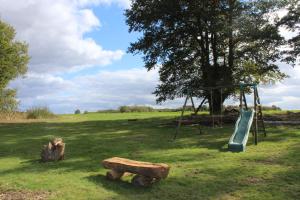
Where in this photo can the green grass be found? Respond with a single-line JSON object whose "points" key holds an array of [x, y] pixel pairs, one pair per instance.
{"points": [[279, 112], [201, 166]]}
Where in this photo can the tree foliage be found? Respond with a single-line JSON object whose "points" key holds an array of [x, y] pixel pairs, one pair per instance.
{"points": [[13, 55], [8, 102], [77, 111], [206, 43], [291, 21], [13, 63]]}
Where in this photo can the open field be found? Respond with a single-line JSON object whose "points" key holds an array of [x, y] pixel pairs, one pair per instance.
{"points": [[201, 166]]}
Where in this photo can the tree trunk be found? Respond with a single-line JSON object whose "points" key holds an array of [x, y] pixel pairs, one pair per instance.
{"points": [[215, 101], [230, 33]]}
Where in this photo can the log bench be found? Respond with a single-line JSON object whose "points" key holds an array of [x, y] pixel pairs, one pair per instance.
{"points": [[146, 173]]}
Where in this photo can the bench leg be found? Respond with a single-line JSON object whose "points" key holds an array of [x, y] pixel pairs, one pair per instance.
{"points": [[143, 181], [114, 175], [156, 180]]}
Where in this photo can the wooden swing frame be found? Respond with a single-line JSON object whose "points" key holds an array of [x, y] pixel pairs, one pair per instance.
{"points": [[258, 116]]}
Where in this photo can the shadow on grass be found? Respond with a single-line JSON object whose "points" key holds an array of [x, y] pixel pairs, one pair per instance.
{"points": [[102, 181], [214, 183], [89, 142]]}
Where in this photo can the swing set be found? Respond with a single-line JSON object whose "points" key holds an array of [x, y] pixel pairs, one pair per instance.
{"points": [[257, 107]]}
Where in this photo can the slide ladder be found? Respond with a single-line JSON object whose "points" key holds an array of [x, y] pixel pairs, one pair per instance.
{"points": [[239, 138]]}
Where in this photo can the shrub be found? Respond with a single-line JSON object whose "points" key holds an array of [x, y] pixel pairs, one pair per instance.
{"points": [[289, 112], [108, 111], [273, 107], [8, 103], [39, 113], [86, 112], [13, 116], [124, 109], [77, 112]]}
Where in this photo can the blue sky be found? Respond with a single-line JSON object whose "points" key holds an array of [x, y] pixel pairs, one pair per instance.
{"points": [[79, 58], [114, 34]]}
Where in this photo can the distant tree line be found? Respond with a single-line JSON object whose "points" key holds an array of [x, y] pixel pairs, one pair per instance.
{"points": [[129, 109], [125, 109]]}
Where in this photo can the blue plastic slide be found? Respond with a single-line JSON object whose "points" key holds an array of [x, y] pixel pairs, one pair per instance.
{"points": [[239, 138]]}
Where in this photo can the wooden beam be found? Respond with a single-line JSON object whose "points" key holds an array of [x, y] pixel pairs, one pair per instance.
{"points": [[212, 108], [181, 116], [255, 117], [200, 106], [193, 104], [260, 113], [245, 101], [241, 99]]}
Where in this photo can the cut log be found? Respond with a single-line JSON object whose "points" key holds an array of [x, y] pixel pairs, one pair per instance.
{"points": [[54, 151], [142, 181], [114, 175], [146, 169]]}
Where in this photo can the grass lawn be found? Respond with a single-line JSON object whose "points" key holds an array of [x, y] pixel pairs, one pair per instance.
{"points": [[201, 166]]}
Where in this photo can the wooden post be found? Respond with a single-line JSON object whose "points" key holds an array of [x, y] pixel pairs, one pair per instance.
{"points": [[245, 101], [260, 114], [193, 104], [241, 98], [221, 111], [212, 108], [196, 112], [200, 106], [255, 116], [179, 122]]}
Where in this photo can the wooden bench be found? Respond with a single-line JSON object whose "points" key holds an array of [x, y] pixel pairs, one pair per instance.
{"points": [[146, 173]]}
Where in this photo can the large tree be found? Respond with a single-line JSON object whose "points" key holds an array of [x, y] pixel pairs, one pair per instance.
{"points": [[291, 21], [206, 44], [13, 63]]}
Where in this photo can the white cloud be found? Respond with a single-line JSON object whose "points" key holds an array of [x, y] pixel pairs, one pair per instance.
{"points": [[111, 89], [285, 93], [55, 31], [40, 85], [121, 3], [102, 90]]}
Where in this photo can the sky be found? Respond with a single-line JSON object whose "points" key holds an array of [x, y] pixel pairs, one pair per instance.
{"points": [[79, 58]]}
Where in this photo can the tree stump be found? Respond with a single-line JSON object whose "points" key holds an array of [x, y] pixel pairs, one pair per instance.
{"points": [[114, 175], [142, 181], [146, 173], [54, 151]]}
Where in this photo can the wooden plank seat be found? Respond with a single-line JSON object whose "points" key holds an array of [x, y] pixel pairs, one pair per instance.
{"points": [[146, 172]]}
